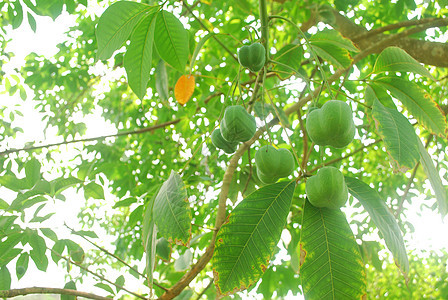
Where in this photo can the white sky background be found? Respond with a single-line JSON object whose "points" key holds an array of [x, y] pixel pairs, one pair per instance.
{"points": [[430, 232]]}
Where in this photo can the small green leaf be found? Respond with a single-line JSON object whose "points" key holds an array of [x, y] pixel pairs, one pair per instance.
{"points": [[398, 135], [138, 57], [383, 219], [183, 262], [39, 248], [185, 295], [117, 23], [3, 204], [434, 179], [59, 184], [105, 287], [171, 40], [245, 243], [69, 286], [395, 59], [93, 190], [5, 279], [49, 234], [335, 38], [22, 265], [32, 171], [10, 181], [58, 247], [291, 56], [88, 233], [331, 265], [119, 282], [417, 102], [149, 237], [172, 213], [125, 202]]}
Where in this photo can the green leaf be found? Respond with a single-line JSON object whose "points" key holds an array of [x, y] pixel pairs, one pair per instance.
{"points": [[117, 23], [5, 279], [335, 38], [69, 286], [32, 171], [185, 295], [383, 219], [13, 183], [10, 254], [38, 252], [290, 55], [49, 234], [198, 48], [163, 249], [125, 202], [120, 282], [183, 262], [22, 265], [418, 103], [31, 21], [395, 59], [149, 237], [59, 184], [3, 204], [138, 57], [375, 91], [331, 265], [172, 213], [333, 54], [434, 179], [245, 243], [58, 247], [398, 135], [171, 40], [88, 233], [162, 80], [105, 287], [93, 190], [50, 8]]}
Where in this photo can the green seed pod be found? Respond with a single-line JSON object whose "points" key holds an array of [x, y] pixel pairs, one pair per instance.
{"points": [[237, 125], [266, 179], [327, 188], [219, 142], [252, 56], [274, 163], [331, 125]]}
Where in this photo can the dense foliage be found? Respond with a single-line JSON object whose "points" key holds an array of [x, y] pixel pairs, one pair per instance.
{"points": [[197, 216]]}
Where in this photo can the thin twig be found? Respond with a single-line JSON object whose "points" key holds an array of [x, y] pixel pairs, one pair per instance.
{"points": [[205, 289]]}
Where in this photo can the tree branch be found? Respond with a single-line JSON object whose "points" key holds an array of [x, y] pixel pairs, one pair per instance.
{"points": [[130, 132], [427, 52], [46, 290]]}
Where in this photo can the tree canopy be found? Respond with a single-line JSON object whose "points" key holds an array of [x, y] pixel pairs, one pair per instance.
{"points": [[227, 117]]}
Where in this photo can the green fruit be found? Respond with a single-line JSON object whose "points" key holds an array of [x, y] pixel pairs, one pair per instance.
{"points": [[331, 125], [219, 142], [273, 163], [252, 57], [327, 188], [237, 125]]}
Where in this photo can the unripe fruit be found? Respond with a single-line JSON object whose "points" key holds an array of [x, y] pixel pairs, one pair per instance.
{"points": [[252, 56], [219, 142], [327, 188], [273, 163], [237, 125], [331, 125]]}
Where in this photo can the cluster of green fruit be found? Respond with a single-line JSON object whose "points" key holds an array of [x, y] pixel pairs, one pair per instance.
{"points": [[330, 125], [236, 126]]}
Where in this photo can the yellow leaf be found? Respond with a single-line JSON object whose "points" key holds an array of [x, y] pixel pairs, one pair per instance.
{"points": [[184, 88]]}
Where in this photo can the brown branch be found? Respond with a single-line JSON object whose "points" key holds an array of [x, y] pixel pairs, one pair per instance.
{"points": [[130, 132], [427, 52], [46, 290], [407, 23]]}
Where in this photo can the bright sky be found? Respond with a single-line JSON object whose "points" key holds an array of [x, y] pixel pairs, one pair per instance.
{"points": [[430, 232]]}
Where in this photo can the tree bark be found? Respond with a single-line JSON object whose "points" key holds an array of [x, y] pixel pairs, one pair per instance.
{"points": [[426, 52]]}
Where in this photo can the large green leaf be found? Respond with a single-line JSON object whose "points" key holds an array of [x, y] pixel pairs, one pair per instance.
{"points": [[291, 56], [32, 171], [335, 38], [172, 213], [418, 103], [138, 57], [331, 265], [398, 136], [375, 91], [117, 23], [383, 219], [5, 278], [39, 248], [245, 243], [434, 178], [171, 40], [397, 60]]}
